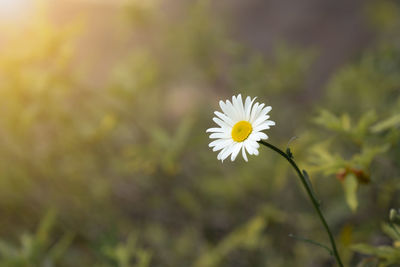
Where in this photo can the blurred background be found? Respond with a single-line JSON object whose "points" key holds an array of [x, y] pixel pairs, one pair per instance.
{"points": [[104, 159]]}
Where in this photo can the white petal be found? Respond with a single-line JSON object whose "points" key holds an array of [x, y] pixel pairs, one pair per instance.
{"points": [[252, 140], [223, 144], [253, 137], [244, 153], [215, 130], [260, 135], [225, 152], [236, 150], [227, 109], [265, 110], [215, 142], [225, 118], [256, 152], [236, 108], [247, 107], [254, 146], [257, 113], [259, 120], [221, 123], [239, 103], [235, 116], [261, 127], [219, 142], [219, 135], [221, 152], [248, 147], [254, 111]]}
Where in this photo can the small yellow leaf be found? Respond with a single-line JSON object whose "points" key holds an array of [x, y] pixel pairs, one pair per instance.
{"points": [[350, 185]]}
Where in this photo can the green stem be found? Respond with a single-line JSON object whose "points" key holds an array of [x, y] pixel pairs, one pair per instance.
{"points": [[312, 197]]}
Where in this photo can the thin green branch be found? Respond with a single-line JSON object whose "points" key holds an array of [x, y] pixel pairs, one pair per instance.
{"points": [[312, 242]]}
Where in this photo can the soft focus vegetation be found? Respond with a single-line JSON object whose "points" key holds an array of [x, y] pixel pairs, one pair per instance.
{"points": [[105, 159]]}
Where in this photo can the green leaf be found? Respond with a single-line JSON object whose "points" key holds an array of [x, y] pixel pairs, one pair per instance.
{"points": [[42, 234], [58, 250], [390, 254], [391, 230], [323, 161], [365, 249], [329, 121], [289, 153], [368, 154], [350, 185], [7, 250], [346, 122], [364, 123], [247, 236], [391, 122], [308, 181]]}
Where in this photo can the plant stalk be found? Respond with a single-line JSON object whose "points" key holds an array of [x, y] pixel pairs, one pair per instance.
{"points": [[312, 197]]}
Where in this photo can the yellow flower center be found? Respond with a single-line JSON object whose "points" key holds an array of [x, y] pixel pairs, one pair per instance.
{"points": [[241, 130]]}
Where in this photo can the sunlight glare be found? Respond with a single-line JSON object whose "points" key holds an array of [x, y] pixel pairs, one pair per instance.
{"points": [[14, 10]]}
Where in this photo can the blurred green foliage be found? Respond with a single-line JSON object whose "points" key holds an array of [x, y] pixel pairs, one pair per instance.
{"points": [[384, 255], [36, 249], [110, 153]]}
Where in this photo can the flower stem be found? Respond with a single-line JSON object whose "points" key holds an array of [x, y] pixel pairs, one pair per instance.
{"points": [[310, 193]]}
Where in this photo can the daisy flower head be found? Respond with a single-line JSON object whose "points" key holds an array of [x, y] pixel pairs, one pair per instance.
{"points": [[240, 127]]}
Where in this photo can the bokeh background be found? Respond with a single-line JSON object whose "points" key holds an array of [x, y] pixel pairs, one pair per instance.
{"points": [[104, 159]]}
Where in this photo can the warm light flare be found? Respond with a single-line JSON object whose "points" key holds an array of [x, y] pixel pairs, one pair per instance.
{"points": [[14, 10]]}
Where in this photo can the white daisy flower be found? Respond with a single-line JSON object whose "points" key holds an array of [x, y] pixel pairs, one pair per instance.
{"points": [[240, 127]]}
